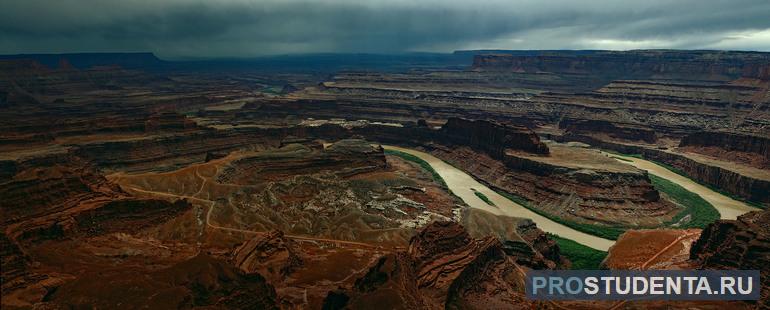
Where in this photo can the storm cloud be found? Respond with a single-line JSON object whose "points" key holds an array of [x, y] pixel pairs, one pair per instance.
{"points": [[241, 28]]}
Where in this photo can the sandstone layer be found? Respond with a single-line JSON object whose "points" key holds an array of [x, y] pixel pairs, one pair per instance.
{"points": [[740, 244], [443, 268]]}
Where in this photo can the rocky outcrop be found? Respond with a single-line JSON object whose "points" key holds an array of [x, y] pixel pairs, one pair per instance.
{"points": [[751, 149], [270, 255], [69, 197], [491, 137], [522, 240], [167, 152], [345, 157], [614, 130], [749, 188], [738, 244], [40, 190], [443, 268], [128, 215], [546, 252]]}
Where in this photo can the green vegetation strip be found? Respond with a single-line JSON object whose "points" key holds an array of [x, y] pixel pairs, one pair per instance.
{"points": [[709, 186], [682, 173], [423, 164], [606, 232], [483, 197], [581, 256], [701, 211]]}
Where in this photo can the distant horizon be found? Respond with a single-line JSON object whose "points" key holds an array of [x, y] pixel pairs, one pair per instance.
{"points": [[203, 58]]}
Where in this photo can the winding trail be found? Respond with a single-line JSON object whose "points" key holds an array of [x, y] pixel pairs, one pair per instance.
{"points": [[252, 232], [729, 209], [666, 248], [463, 185]]}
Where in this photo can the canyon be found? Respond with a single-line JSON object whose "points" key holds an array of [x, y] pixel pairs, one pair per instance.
{"points": [[414, 183]]}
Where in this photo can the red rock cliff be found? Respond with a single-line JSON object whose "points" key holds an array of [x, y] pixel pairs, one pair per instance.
{"points": [[738, 244], [492, 138]]}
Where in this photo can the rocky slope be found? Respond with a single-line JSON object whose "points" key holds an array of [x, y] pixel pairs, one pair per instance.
{"points": [[521, 239], [270, 255], [751, 149], [343, 157], [201, 281], [443, 268], [655, 249], [738, 244]]}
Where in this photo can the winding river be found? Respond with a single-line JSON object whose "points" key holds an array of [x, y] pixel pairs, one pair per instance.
{"points": [[463, 185], [729, 209]]}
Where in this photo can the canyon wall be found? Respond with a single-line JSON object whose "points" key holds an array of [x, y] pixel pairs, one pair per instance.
{"points": [[614, 130], [574, 193], [745, 187], [730, 145], [742, 244], [492, 138]]}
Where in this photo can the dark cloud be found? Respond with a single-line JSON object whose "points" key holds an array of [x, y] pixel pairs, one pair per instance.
{"points": [[242, 28]]}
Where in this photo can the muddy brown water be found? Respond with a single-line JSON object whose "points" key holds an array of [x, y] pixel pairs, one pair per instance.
{"points": [[463, 185], [729, 209]]}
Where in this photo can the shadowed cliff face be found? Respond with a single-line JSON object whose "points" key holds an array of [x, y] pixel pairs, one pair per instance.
{"points": [[617, 131], [740, 244], [492, 138], [754, 149]]}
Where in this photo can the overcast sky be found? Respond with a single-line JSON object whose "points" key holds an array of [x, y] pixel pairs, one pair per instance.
{"points": [[244, 28]]}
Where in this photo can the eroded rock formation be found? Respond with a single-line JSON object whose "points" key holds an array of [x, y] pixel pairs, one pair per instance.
{"points": [[443, 268], [617, 131], [751, 149], [343, 157], [270, 255], [737, 244], [491, 137]]}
